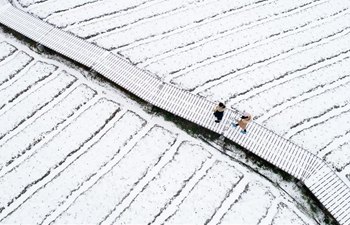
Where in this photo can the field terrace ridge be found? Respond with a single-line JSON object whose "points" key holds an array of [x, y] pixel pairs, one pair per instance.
{"points": [[321, 180]]}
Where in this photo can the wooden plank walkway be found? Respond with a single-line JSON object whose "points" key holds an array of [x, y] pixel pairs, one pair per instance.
{"points": [[329, 188]]}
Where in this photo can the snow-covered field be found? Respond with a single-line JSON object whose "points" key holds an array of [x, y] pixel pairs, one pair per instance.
{"points": [[286, 62], [76, 150]]}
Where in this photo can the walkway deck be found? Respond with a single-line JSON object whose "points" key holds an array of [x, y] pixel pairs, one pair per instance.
{"points": [[330, 189]]}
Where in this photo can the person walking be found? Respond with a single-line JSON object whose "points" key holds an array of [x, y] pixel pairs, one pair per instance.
{"points": [[219, 112], [243, 122]]}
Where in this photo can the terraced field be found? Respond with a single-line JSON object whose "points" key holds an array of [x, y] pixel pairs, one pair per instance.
{"points": [[286, 62], [75, 150]]}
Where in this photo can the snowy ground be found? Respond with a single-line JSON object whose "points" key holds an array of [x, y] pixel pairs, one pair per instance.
{"points": [[286, 62], [76, 150]]}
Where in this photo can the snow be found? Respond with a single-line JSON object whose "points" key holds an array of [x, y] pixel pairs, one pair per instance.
{"points": [[318, 105], [94, 10], [53, 170], [207, 196], [192, 13], [53, 153], [13, 66], [100, 158], [49, 121], [232, 52], [327, 46], [35, 74], [18, 113], [91, 206], [286, 216], [46, 8], [340, 156], [27, 3], [288, 90], [58, 190], [150, 9], [326, 131], [229, 31], [256, 198], [5, 50], [166, 185], [275, 59]]}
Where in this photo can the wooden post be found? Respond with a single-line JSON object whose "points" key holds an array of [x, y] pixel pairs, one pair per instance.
{"points": [[221, 140], [299, 183], [40, 47], [93, 73], [148, 107]]}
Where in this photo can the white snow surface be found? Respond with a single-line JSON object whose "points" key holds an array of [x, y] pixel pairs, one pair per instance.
{"points": [[256, 193], [286, 62], [6, 49], [285, 215], [77, 150]]}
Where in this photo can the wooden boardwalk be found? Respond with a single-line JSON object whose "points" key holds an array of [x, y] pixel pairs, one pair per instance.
{"points": [[329, 188]]}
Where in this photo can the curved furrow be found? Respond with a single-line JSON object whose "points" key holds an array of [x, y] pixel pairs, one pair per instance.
{"points": [[26, 139], [253, 192], [25, 179], [320, 118], [60, 188], [49, 8], [296, 100], [78, 197], [204, 20], [6, 50], [92, 11], [175, 41], [339, 157], [193, 14], [27, 3], [142, 183], [317, 137], [314, 106], [241, 42], [51, 134], [335, 143], [74, 190], [232, 198], [266, 54], [284, 215], [275, 94], [219, 43], [7, 58], [181, 195], [189, 211], [35, 75], [33, 103], [317, 105], [151, 10], [13, 66], [193, 36], [146, 154], [158, 193], [310, 55], [21, 73], [316, 120]]}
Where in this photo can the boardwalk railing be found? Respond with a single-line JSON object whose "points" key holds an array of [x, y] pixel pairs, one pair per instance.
{"points": [[327, 186]]}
